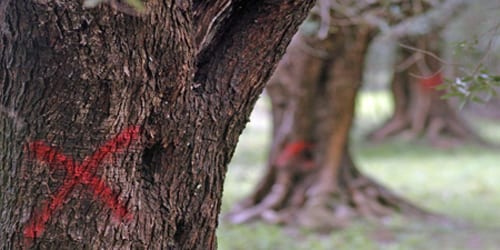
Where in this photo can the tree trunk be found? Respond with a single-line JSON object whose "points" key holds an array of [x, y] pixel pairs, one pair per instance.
{"points": [[311, 179], [418, 106], [116, 130]]}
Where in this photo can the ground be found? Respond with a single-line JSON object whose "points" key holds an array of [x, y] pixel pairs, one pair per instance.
{"points": [[462, 182]]}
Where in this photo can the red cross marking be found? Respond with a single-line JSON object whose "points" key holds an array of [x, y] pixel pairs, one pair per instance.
{"points": [[291, 151], [79, 173], [431, 82]]}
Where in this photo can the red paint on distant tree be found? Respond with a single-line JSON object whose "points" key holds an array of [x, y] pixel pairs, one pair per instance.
{"points": [[79, 173], [431, 82], [291, 151]]}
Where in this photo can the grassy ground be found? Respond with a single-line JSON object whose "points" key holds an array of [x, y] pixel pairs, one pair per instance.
{"points": [[462, 183]]}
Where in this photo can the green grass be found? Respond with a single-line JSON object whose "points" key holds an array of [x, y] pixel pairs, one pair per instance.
{"points": [[462, 182]]}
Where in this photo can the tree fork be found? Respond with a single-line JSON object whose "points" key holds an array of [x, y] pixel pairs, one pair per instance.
{"points": [[73, 78]]}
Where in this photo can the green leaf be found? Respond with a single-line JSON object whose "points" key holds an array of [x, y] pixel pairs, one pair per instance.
{"points": [[442, 87], [467, 78], [137, 4], [452, 94]]}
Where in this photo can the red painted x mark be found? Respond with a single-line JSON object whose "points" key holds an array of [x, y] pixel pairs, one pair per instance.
{"points": [[79, 173], [431, 82]]}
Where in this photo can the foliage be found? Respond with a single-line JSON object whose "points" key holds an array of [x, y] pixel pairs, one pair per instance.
{"points": [[479, 87], [476, 81]]}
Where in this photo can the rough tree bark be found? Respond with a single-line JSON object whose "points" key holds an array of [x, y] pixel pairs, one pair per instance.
{"points": [[418, 106], [144, 113], [311, 179]]}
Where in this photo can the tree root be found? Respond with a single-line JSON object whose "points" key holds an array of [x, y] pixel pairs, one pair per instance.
{"points": [[292, 200], [441, 132]]}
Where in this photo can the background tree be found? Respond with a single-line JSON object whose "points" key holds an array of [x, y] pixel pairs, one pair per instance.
{"points": [[311, 179], [117, 129], [476, 53], [424, 74], [419, 106]]}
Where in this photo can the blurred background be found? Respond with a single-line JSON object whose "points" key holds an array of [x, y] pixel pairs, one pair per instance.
{"points": [[458, 179]]}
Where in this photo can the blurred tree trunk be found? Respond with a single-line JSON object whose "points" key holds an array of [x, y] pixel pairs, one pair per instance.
{"points": [[144, 113], [311, 179], [418, 106]]}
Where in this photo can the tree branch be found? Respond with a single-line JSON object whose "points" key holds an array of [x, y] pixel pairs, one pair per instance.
{"points": [[208, 18], [427, 22], [253, 37]]}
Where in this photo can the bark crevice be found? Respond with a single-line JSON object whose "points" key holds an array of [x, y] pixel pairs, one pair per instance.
{"points": [[79, 76]]}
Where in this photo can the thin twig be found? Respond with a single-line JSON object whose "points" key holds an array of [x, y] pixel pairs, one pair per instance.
{"points": [[428, 53], [427, 76], [408, 62], [425, 52], [489, 47]]}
